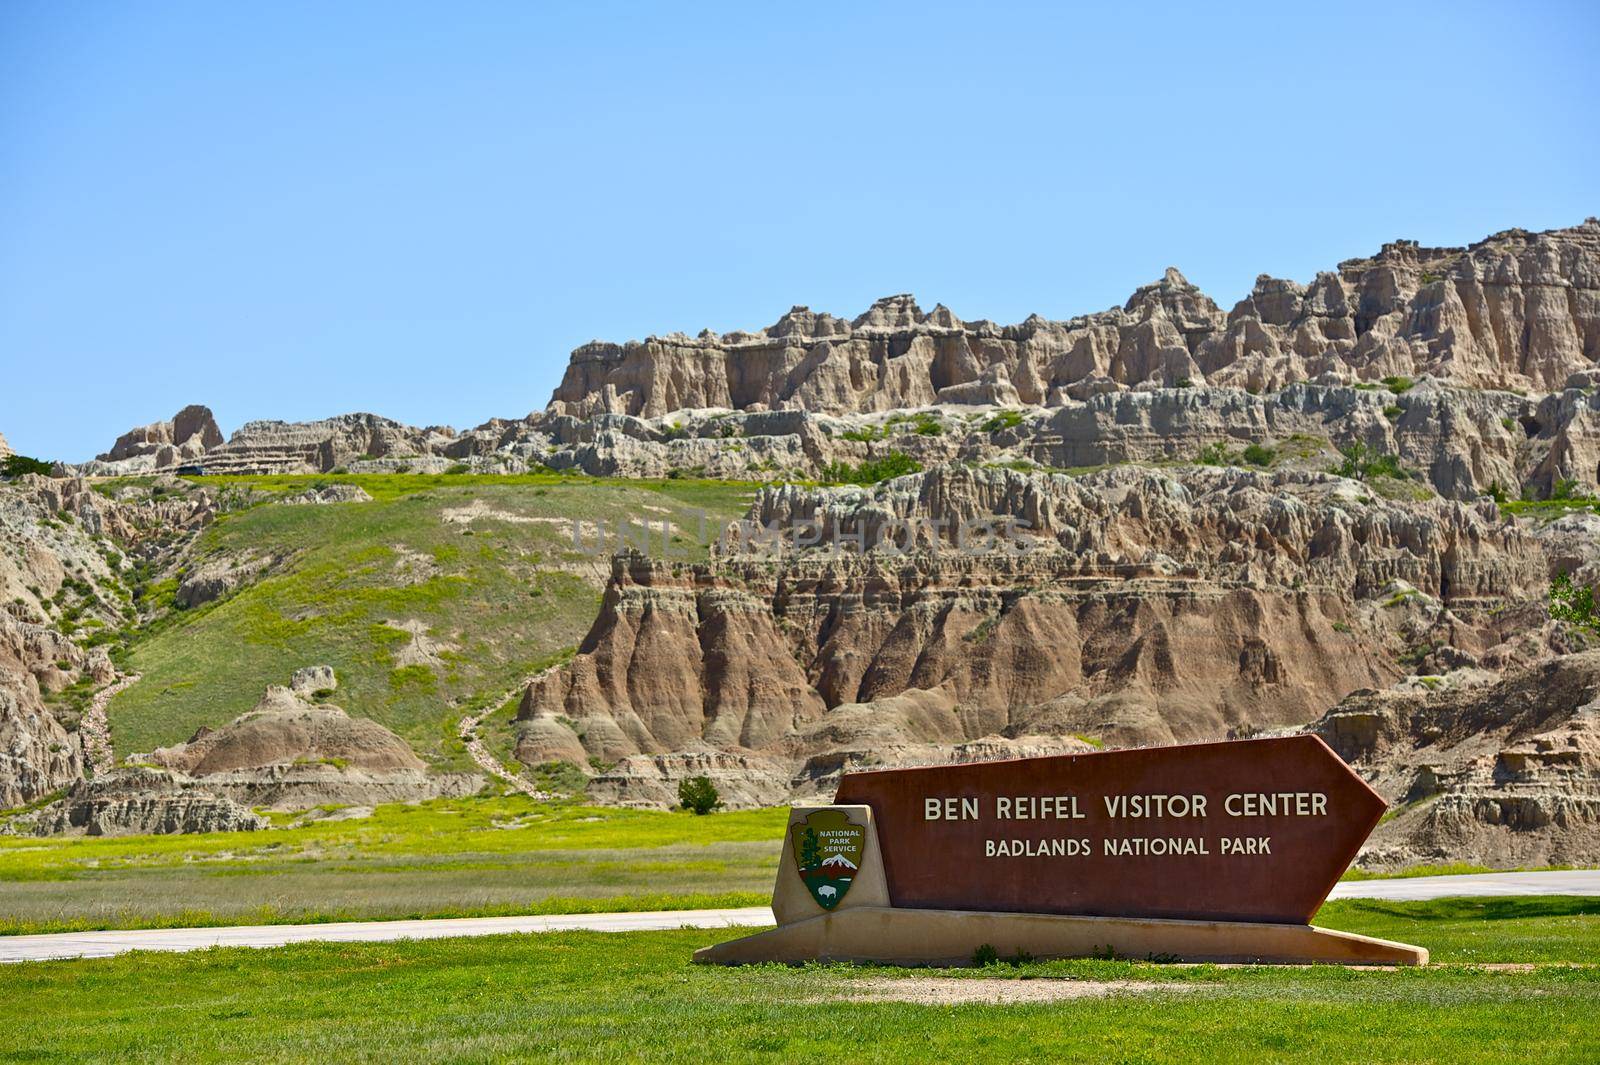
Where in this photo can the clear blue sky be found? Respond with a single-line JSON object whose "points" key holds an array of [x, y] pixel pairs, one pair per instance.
{"points": [[291, 211]]}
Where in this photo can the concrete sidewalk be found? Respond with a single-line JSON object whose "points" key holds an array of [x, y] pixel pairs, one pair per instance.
{"points": [[106, 944]]}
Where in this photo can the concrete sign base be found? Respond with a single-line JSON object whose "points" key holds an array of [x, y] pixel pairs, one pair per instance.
{"points": [[889, 936], [833, 902]]}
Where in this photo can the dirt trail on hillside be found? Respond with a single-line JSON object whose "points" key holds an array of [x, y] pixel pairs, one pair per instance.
{"points": [[481, 756], [95, 728]]}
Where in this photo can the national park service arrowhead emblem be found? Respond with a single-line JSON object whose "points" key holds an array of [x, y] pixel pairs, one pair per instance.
{"points": [[827, 854]]}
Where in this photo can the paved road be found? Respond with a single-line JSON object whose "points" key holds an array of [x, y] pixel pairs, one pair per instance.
{"points": [[105, 944], [1569, 882]]}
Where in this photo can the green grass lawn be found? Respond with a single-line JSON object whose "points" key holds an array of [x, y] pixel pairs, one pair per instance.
{"points": [[486, 564], [465, 857], [479, 856], [608, 997]]}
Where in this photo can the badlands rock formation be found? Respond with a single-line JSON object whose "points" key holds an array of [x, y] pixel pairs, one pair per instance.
{"points": [[1504, 335], [138, 801], [5, 448], [1132, 606], [1502, 773], [1517, 310], [1127, 596], [68, 552], [189, 435], [294, 751], [62, 546], [37, 755]]}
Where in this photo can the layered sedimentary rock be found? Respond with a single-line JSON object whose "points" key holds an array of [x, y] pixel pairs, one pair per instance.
{"points": [[139, 801], [59, 575], [1126, 606], [1516, 310], [1460, 442], [37, 755], [5, 447], [185, 438], [1496, 772], [279, 447], [324, 445], [220, 576], [1131, 605], [1504, 336], [746, 780], [293, 751]]}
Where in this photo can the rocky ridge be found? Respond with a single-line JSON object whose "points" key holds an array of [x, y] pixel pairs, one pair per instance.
{"points": [[185, 438], [73, 558], [37, 755], [1517, 310], [1501, 338], [1179, 605], [1479, 769], [295, 750], [64, 549], [135, 801]]}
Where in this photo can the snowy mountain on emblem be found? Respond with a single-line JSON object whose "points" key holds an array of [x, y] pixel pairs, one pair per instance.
{"points": [[838, 861]]}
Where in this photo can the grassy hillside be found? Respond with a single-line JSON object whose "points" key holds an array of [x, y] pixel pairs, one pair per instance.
{"points": [[442, 590]]}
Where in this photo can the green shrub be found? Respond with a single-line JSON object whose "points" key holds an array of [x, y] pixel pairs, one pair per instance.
{"points": [[1259, 455], [1219, 455], [698, 794], [866, 434], [17, 465], [459, 467], [1006, 419], [1392, 412], [1573, 604], [561, 778], [1398, 385], [1361, 463], [870, 471], [1385, 466]]}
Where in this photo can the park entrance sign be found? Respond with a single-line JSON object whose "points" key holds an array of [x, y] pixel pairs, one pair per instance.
{"points": [[1257, 830], [1218, 851]]}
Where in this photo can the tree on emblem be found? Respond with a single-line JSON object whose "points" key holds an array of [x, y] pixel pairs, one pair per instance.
{"points": [[810, 849]]}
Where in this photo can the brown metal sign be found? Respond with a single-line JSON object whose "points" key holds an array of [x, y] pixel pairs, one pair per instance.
{"points": [[1252, 830]]}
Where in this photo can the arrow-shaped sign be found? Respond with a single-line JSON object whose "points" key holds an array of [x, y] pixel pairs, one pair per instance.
{"points": [[1252, 830]]}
